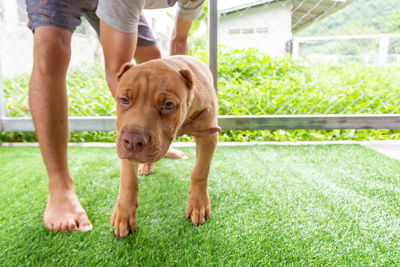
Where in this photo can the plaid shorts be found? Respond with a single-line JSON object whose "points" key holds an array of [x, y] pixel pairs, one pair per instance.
{"points": [[66, 14]]}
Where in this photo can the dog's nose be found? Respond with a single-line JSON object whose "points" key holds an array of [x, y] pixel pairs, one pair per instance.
{"points": [[134, 141]]}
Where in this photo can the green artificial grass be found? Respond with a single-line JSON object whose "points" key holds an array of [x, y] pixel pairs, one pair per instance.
{"points": [[317, 205]]}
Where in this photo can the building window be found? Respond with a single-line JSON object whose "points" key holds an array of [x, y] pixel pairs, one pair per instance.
{"points": [[262, 30], [248, 30], [234, 31]]}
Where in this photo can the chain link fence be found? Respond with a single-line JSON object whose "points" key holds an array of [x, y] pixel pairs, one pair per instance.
{"points": [[297, 57], [310, 57]]}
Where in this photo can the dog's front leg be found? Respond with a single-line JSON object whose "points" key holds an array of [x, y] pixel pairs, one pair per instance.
{"points": [[124, 215], [199, 205]]}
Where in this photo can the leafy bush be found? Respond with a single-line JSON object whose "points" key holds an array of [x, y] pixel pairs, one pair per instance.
{"points": [[250, 83]]}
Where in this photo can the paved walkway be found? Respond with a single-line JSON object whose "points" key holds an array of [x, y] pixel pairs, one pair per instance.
{"points": [[389, 148]]}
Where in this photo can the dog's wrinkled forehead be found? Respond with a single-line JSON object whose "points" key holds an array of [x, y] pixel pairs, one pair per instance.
{"points": [[153, 76], [144, 86]]}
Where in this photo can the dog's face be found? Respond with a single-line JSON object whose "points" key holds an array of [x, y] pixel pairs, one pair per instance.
{"points": [[152, 100]]}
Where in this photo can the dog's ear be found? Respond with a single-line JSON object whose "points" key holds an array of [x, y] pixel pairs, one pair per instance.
{"points": [[123, 69], [188, 76]]}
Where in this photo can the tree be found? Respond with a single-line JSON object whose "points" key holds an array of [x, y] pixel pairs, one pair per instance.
{"points": [[393, 25]]}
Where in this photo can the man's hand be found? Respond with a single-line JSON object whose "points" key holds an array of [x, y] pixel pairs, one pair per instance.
{"points": [[179, 47], [185, 129]]}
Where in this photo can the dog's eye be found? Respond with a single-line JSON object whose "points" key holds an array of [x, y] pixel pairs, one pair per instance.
{"points": [[168, 107], [123, 101]]}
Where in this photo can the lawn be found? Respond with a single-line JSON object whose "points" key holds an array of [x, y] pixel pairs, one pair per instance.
{"points": [[331, 205]]}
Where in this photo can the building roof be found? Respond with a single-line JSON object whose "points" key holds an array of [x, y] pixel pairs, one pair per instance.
{"points": [[304, 12]]}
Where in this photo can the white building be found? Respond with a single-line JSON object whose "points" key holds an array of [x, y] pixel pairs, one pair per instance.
{"points": [[269, 24]]}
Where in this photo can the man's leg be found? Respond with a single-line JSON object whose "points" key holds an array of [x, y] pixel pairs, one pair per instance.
{"points": [[48, 104]]}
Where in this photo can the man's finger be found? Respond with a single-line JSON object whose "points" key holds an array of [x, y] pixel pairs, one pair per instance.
{"points": [[192, 124], [205, 132], [200, 117]]}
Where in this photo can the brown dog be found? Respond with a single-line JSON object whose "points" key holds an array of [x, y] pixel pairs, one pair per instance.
{"points": [[158, 101]]}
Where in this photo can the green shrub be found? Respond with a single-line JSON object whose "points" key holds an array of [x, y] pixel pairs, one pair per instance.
{"points": [[250, 83]]}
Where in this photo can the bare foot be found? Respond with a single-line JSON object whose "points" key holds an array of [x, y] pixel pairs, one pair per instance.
{"points": [[175, 154], [65, 213]]}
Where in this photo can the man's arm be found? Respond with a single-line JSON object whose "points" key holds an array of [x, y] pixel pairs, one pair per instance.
{"points": [[118, 35], [179, 39], [186, 13], [118, 49], [180, 46]]}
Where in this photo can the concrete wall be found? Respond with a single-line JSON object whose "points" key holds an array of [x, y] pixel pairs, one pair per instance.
{"points": [[16, 39], [16, 49]]}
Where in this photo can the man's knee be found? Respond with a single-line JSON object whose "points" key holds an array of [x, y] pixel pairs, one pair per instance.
{"points": [[52, 50]]}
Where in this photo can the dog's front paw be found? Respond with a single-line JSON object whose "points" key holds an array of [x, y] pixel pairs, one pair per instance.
{"points": [[198, 208], [146, 169], [124, 219]]}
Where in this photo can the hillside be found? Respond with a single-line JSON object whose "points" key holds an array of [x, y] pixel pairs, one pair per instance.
{"points": [[360, 17]]}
